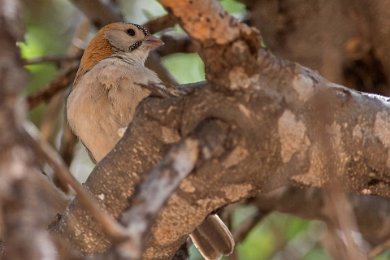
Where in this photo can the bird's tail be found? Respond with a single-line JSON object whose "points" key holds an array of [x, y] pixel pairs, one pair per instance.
{"points": [[212, 238]]}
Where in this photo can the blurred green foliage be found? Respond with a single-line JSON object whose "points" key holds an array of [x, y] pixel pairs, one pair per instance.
{"points": [[47, 33], [232, 6], [49, 27], [186, 68]]}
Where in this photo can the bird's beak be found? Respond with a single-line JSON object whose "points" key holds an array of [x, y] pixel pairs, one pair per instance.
{"points": [[153, 41]]}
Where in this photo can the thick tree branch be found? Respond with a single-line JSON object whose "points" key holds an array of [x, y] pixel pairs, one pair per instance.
{"points": [[276, 115], [204, 20], [295, 161], [224, 42]]}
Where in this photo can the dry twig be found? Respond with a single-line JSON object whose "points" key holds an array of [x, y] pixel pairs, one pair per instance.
{"points": [[46, 93], [175, 44], [161, 23], [241, 232], [56, 59], [68, 139], [379, 249], [154, 192], [108, 223]]}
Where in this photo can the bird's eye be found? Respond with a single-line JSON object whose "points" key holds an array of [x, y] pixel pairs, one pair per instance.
{"points": [[131, 32]]}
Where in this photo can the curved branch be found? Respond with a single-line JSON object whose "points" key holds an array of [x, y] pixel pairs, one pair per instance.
{"points": [[154, 192], [175, 44], [47, 92], [273, 141], [282, 123], [160, 23], [56, 59]]}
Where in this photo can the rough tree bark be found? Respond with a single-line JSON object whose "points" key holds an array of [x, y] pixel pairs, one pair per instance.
{"points": [[284, 124]]}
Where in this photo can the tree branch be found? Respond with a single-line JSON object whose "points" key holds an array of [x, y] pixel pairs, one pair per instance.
{"points": [[370, 211], [175, 44], [56, 59], [275, 117], [99, 12], [160, 23], [43, 149], [204, 20], [154, 192], [46, 93], [221, 39]]}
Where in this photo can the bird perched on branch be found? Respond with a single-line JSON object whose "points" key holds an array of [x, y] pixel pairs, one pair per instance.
{"points": [[106, 91]]}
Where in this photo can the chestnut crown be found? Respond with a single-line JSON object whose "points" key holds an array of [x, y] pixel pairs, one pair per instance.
{"points": [[128, 39]]}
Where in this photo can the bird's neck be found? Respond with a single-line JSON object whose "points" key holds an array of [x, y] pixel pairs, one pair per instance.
{"points": [[98, 49], [130, 58]]}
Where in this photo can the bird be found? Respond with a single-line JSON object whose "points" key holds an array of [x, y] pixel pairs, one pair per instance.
{"points": [[107, 89]]}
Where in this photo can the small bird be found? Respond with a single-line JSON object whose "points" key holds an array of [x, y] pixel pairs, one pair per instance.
{"points": [[108, 87]]}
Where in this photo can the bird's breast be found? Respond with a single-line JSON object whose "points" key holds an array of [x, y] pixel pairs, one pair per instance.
{"points": [[102, 103]]}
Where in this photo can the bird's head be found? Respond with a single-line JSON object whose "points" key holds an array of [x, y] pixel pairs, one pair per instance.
{"points": [[118, 38]]}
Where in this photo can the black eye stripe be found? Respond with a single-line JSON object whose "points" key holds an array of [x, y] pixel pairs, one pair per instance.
{"points": [[135, 45], [143, 29]]}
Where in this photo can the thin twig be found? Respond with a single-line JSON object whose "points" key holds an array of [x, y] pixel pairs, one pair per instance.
{"points": [[154, 192], [312, 206], [46, 93], [379, 249], [111, 227], [66, 151], [241, 232], [161, 23], [174, 43], [68, 139], [153, 62], [56, 59], [342, 244]]}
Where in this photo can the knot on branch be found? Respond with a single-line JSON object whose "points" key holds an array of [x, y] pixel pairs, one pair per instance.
{"points": [[238, 61]]}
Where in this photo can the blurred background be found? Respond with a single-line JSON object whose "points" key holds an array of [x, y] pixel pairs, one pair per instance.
{"points": [[53, 31]]}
